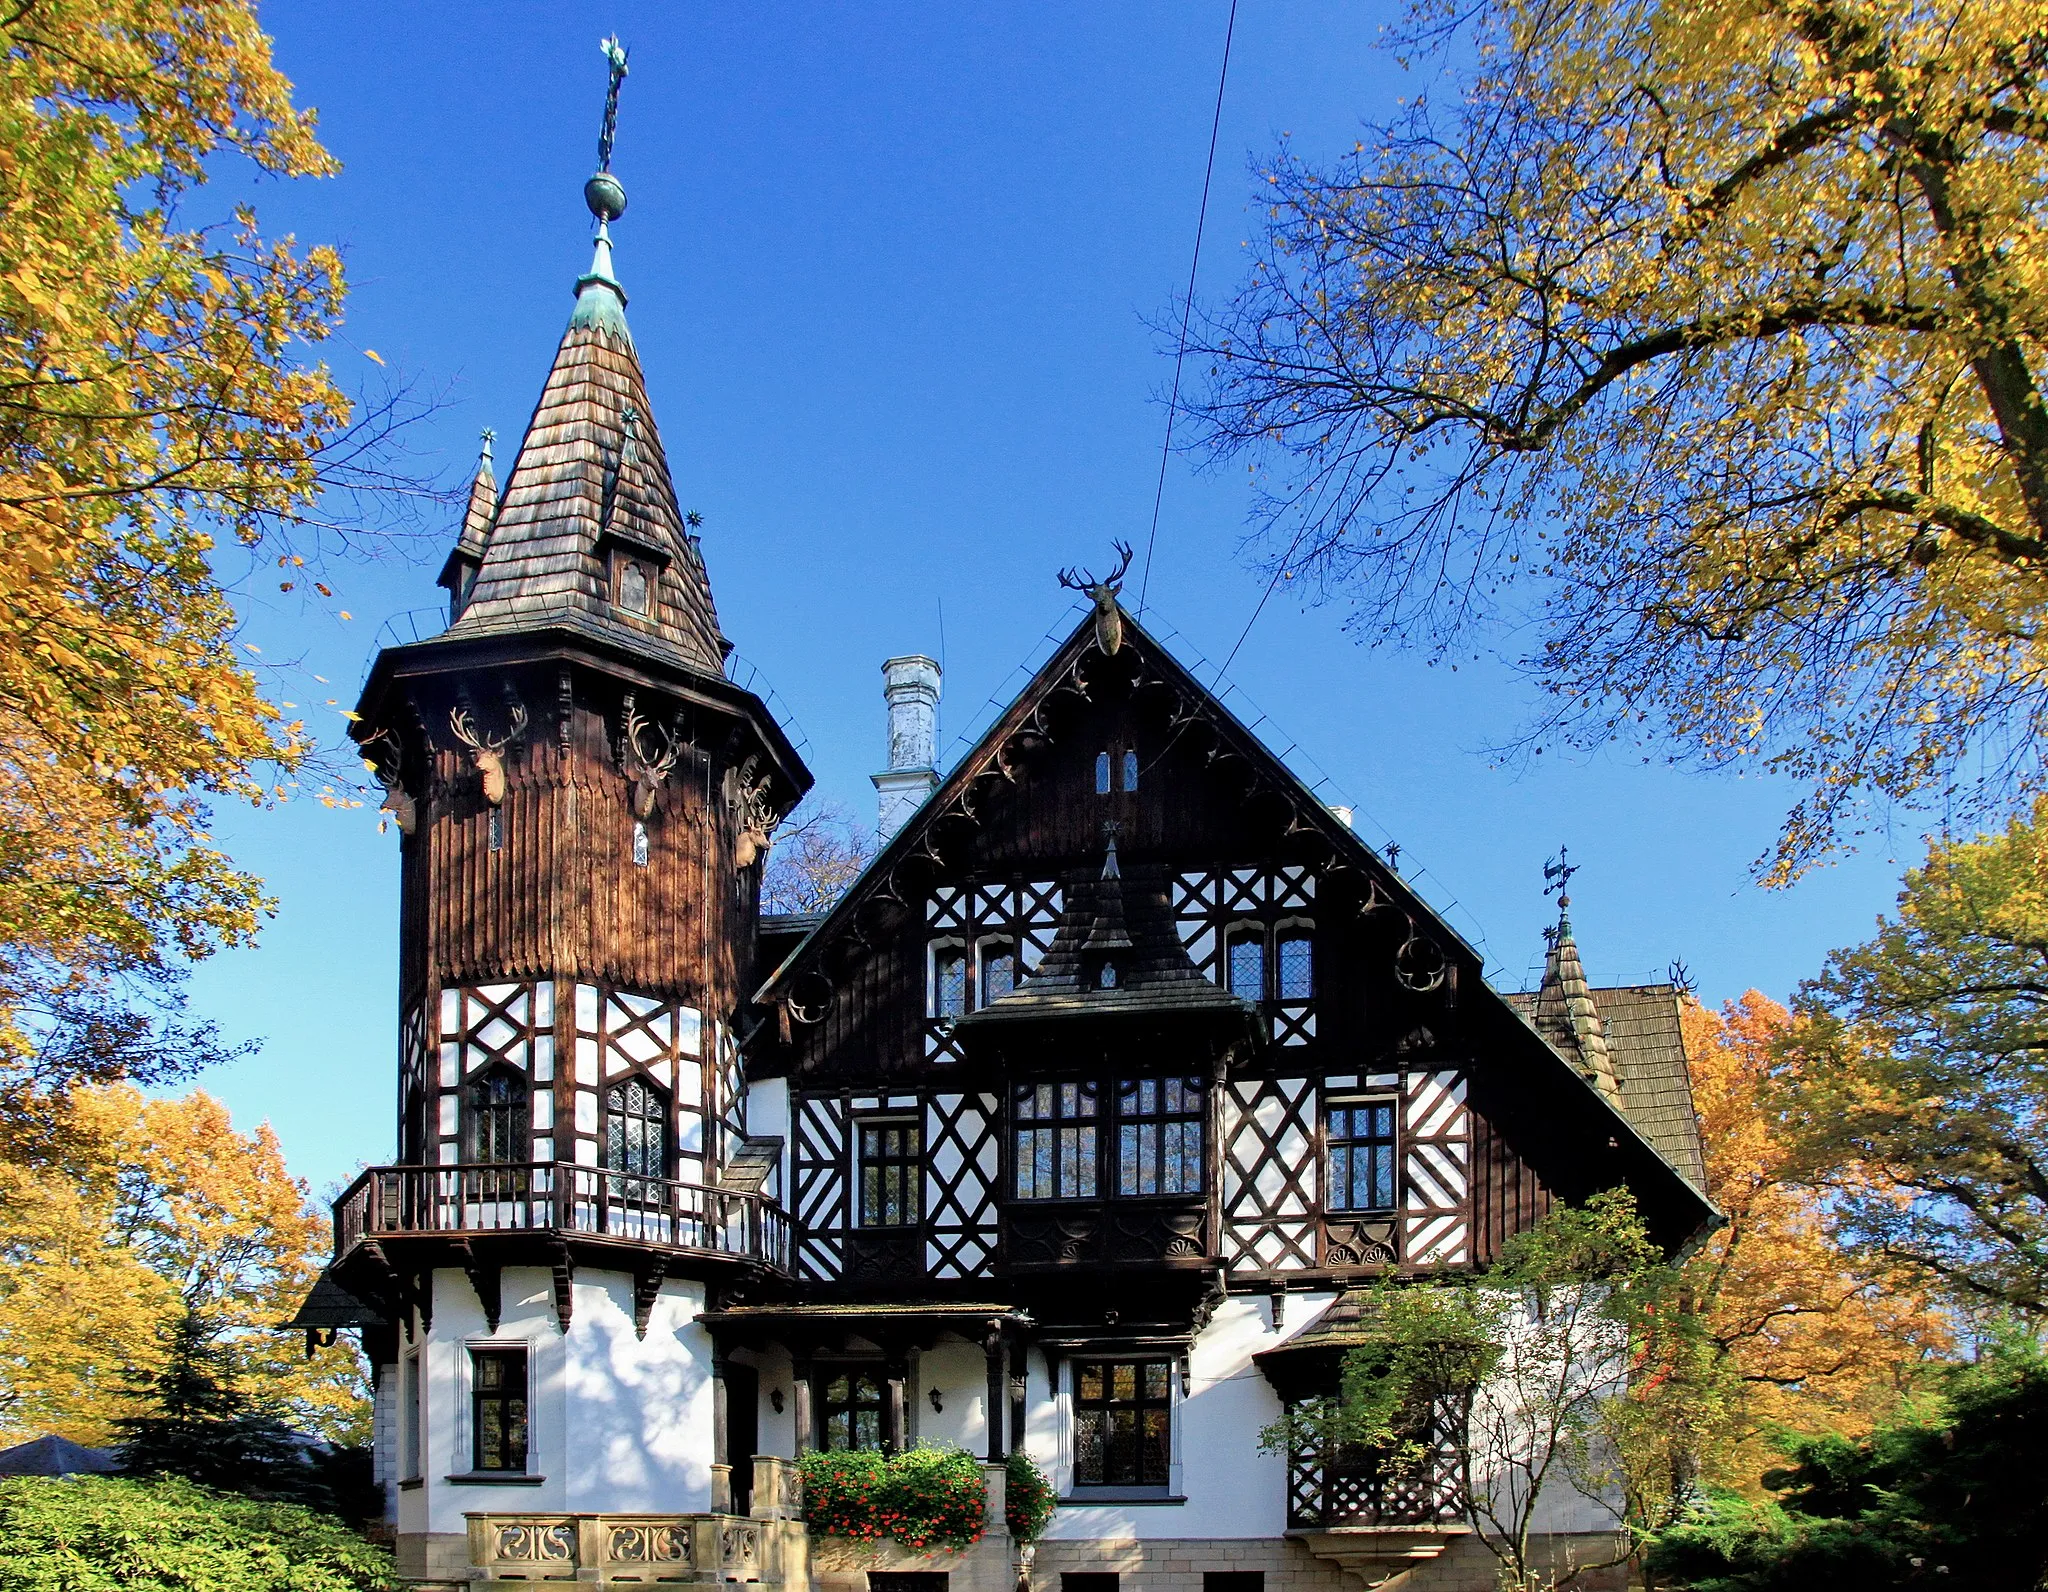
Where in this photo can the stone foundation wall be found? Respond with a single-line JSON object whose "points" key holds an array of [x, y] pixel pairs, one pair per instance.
{"points": [[1178, 1564]]}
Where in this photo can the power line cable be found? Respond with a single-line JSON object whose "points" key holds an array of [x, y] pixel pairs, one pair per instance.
{"points": [[1180, 353]]}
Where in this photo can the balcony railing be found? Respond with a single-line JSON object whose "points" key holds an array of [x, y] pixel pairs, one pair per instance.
{"points": [[560, 1197]]}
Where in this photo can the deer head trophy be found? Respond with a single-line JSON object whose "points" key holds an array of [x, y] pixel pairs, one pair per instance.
{"points": [[753, 815], [384, 758], [488, 752], [1109, 621], [646, 768]]}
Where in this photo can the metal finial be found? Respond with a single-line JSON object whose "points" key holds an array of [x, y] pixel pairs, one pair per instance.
{"points": [[1557, 878], [489, 435], [604, 193]]}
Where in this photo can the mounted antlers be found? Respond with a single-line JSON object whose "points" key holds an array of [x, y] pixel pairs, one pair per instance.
{"points": [[1109, 621], [379, 749], [753, 814], [646, 769], [488, 753]]}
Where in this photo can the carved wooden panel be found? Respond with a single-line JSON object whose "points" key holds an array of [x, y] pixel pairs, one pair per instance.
{"points": [[818, 1172], [1436, 1140], [892, 1256], [1271, 1179], [963, 1169]]}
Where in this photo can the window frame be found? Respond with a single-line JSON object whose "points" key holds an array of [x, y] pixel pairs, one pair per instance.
{"points": [[822, 1377], [615, 594], [630, 1182], [978, 995], [476, 1115], [1132, 1125], [936, 951], [1288, 931], [1066, 1141], [479, 1397], [1248, 931], [412, 1387], [1140, 1403], [1349, 1100], [909, 1161]]}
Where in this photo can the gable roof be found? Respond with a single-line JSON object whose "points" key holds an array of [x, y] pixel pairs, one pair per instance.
{"points": [[1683, 1211], [590, 470]]}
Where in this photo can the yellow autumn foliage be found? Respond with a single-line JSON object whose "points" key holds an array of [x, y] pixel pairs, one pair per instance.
{"points": [[1818, 1339], [155, 397], [1703, 342], [134, 1210]]}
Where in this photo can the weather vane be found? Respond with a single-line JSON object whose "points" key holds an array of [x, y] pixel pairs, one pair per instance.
{"points": [[605, 195], [1557, 878]]}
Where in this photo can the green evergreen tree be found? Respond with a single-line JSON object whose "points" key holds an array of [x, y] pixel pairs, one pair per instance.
{"points": [[198, 1424]]}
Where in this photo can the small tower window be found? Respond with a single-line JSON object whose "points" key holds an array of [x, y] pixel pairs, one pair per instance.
{"points": [[949, 981], [1295, 965], [632, 586], [1102, 773], [1248, 964], [998, 970], [636, 1140], [494, 830], [497, 1118], [1130, 769], [639, 844]]}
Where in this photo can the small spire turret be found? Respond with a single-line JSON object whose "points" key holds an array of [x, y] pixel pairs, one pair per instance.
{"points": [[1566, 1014]]}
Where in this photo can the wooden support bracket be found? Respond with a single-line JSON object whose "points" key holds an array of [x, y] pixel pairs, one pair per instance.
{"points": [[565, 1278], [484, 1278], [647, 1280]]}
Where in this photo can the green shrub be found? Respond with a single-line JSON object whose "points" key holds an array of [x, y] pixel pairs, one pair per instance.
{"points": [[103, 1533], [1027, 1497], [927, 1498]]}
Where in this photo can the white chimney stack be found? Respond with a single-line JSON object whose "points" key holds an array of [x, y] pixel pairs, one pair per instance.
{"points": [[911, 688]]}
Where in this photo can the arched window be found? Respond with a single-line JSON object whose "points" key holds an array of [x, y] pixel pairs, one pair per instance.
{"points": [[998, 969], [1130, 769], [635, 1137], [1248, 963], [1102, 773], [949, 980], [497, 1117], [1294, 963]]}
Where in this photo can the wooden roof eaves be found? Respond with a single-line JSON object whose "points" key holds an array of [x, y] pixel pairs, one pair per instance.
{"points": [[699, 687]]}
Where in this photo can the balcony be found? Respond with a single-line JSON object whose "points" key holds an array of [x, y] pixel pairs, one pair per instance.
{"points": [[559, 1199]]}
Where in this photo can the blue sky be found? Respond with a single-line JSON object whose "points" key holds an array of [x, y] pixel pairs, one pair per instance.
{"points": [[891, 272]]}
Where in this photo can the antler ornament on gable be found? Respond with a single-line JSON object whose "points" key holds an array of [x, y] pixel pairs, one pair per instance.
{"points": [[488, 752], [1109, 620], [754, 814], [646, 769], [384, 757]]}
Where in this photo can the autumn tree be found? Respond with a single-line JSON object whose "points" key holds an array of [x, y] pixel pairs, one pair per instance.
{"points": [[142, 1215], [1702, 341], [817, 854], [1917, 1093], [1815, 1338], [158, 405]]}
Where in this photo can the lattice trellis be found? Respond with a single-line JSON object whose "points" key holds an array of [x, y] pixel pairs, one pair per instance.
{"points": [[1357, 1487], [484, 1025], [1436, 1137], [818, 1156], [1271, 1182], [1026, 912], [619, 1032], [963, 1161], [732, 1094]]}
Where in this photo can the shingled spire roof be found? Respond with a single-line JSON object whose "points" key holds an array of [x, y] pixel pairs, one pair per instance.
{"points": [[1565, 1013], [590, 491], [468, 551]]}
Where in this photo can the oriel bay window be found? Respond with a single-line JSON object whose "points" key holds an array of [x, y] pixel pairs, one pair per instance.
{"points": [[891, 1153], [1159, 1136], [1123, 1415], [1359, 1135], [1156, 1140], [1055, 1143]]}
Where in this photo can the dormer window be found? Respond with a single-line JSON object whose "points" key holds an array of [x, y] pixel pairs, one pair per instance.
{"points": [[632, 584], [1106, 979]]}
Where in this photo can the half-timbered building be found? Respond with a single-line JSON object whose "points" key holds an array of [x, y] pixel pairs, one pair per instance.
{"points": [[1075, 1126]]}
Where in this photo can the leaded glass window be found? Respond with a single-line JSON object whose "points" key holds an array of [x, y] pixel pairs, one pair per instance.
{"points": [[1123, 1412], [1248, 964], [891, 1161], [998, 970], [1294, 965], [1159, 1136], [1054, 1125], [949, 981], [636, 1138], [497, 1117]]}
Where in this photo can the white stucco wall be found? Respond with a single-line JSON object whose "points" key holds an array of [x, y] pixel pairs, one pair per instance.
{"points": [[768, 1116], [615, 1422]]}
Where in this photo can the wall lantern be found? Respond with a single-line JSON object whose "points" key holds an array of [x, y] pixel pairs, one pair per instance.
{"points": [[938, 1404], [775, 1400]]}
